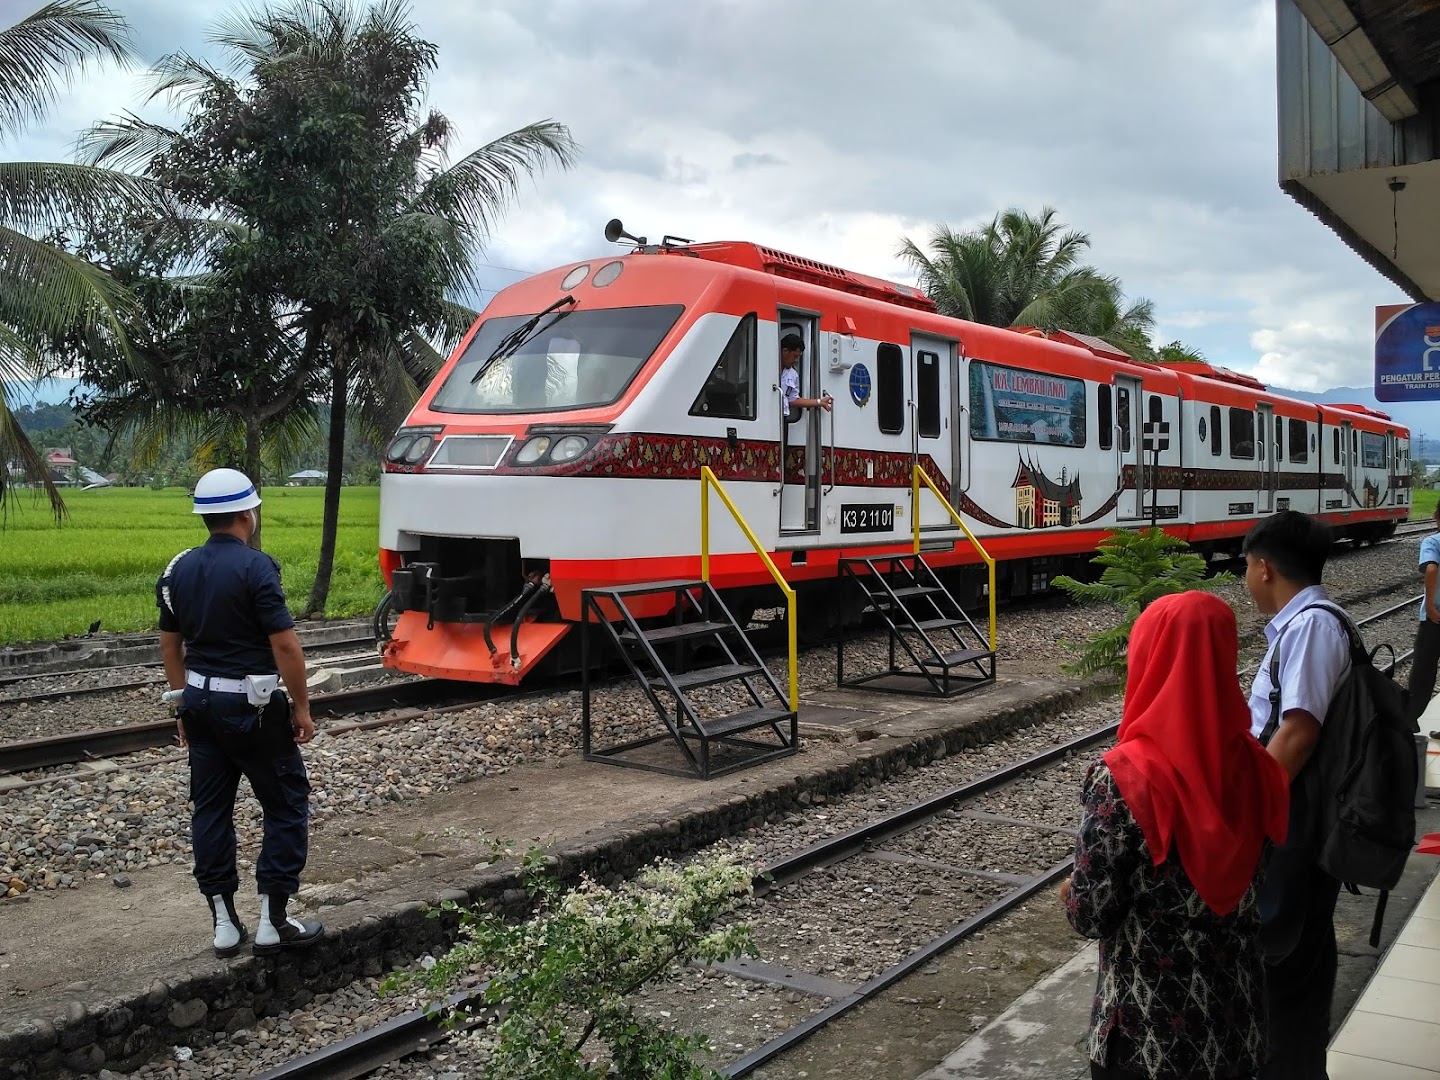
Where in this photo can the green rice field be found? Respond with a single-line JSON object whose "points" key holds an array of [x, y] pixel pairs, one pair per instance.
{"points": [[102, 561]]}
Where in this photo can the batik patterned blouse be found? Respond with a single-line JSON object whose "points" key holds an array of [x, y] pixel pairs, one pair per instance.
{"points": [[1181, 990]]}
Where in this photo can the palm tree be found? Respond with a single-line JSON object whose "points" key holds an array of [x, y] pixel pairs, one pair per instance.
{"points": [[1024, 270], [357, 216], [46, 291]]}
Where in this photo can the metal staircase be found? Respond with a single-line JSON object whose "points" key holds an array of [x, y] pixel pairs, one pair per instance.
{"points": [[662, 659], [947, 652]]}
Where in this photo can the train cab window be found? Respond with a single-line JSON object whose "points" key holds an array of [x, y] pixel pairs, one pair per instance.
{"points": [[1299, 442], [1122, 401], [566, 359], [890, 388], [1216, 446], [1157, 409], [1242, 434], [1106, 409], [927, 394], [729, 392]]}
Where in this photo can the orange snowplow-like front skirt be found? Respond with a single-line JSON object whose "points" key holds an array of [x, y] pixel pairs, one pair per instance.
{"points": [[458, 651]]}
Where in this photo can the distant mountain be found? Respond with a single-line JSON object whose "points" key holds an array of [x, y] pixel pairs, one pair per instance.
{"points": [[1417, 416], [41, 392]]}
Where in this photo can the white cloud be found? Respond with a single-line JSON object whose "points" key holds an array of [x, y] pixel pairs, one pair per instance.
{"points": [[832, 128]]}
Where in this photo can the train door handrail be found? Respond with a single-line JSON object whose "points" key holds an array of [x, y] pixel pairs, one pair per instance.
{"points": [[709, 480], [920, 475]]}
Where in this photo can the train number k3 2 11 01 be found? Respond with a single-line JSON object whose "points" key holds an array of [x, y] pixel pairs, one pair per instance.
{"points": [[867, 517]]}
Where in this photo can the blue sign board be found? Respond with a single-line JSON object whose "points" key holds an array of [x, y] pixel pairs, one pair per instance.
{"points": [[1407, 352]]}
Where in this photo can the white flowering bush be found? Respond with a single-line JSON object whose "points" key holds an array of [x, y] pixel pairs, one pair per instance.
{"points": [[563, 982]]}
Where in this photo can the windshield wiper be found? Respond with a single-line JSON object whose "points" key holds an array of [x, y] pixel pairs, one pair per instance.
{"points": [[511, 342]]}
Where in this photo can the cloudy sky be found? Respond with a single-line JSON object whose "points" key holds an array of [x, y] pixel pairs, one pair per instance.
{"points": [[832, 128]]}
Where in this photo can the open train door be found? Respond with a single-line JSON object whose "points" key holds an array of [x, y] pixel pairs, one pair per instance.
{"points": [[934, 363], [1134, 479], [1267, 454]]}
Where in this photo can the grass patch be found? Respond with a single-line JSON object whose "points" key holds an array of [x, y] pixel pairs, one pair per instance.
{"points": [[102, 561], [1422, 503]]}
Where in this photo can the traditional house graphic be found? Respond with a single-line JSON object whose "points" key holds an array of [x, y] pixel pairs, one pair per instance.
{"points": [[1040, 502], [1371, 491]]}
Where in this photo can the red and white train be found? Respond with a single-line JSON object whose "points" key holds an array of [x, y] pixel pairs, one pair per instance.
{"points": [[562, 443]]}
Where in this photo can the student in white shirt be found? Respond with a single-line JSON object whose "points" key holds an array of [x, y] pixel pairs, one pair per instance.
{"points": [[1427, 637], [1285, 556]]}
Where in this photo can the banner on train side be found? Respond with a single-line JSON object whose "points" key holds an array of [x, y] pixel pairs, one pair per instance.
{"points": [[1407, 352]]}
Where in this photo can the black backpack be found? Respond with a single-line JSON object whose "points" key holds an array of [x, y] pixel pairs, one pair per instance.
{"points": [[1359, 785]]}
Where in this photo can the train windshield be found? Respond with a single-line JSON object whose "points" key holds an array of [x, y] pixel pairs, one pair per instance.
{"points": [[570, 360]]}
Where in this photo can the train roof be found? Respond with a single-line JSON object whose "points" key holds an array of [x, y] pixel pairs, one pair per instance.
{"points": [[769, 260], [1362, 409]]}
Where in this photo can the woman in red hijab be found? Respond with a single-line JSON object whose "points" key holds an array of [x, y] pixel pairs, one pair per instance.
{"points": [[1175, 818]]}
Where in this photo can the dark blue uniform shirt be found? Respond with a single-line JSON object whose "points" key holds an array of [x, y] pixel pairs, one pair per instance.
{"points": [[225, 599]]}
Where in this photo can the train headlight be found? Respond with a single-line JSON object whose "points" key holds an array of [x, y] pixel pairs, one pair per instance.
{"points": [[396, 450], [569, 448], [533, 450], [418, 449]]}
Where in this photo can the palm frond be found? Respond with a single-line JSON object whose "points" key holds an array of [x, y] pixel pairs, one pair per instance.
{"points": [[35, 195], [49, 292], [472, 193], [40, 54], [128, 142], [16, 447]]}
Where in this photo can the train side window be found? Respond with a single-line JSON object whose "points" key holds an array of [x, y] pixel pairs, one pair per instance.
{"points": [[1157, 410], [1122, 401], [1242, 434], [1279, 440], [1106, 410], [890, 388], [1336, 442], [927, 394], [1299, 442], [1215, 441], [729, 392], [1354, 446]]}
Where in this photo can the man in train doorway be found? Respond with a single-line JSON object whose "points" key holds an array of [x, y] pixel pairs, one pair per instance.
{"points": [[792, 349]]}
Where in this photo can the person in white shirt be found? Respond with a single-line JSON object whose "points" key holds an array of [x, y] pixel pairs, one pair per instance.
{"points": [[1427, 637], [791, 350], [1285, 557]]}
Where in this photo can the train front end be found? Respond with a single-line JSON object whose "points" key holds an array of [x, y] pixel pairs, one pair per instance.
{"points": [[491, 498]]}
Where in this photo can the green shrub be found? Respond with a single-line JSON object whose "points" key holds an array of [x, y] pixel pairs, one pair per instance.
{"points": [[565, 979], [1140, 566]]}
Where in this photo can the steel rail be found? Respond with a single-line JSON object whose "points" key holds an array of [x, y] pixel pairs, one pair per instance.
{"points": [[12, 677], [420, 696]]}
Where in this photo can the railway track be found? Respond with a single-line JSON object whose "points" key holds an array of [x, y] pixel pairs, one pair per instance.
{"points": [[879, 840], [412, 699], [16, 678]]}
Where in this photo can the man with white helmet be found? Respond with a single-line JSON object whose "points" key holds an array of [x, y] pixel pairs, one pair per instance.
{"points": [[226, 634]]}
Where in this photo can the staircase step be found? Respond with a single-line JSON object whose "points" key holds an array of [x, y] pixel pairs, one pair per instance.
{"points": [[908, 590], [677, 633], [954, 659], [644, 587], [933, 624], [708, 676], [742, 721]]}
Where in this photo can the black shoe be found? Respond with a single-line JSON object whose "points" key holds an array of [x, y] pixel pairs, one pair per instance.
{"points": [[278, 931], [227, 951], [1435, 735]]}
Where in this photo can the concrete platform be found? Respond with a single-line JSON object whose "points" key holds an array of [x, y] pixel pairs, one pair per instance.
{"points": [[146, 979]]}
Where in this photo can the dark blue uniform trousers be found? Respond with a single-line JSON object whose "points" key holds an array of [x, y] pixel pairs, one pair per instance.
{"points": [[1300, 983], [227, 740]]}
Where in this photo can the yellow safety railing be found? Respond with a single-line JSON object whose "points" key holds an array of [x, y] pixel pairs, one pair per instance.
{"points": [[708, 480], [955, 517]]}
